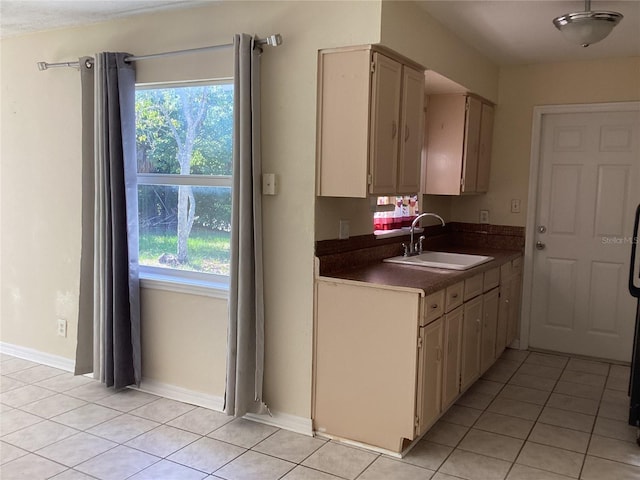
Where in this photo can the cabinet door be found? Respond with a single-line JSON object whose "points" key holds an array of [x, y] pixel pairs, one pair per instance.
{"points": [[503, 316], [385, 130], [471, 324], [451, 361], [490, 305], [444, 144], [411, 131], [471, 145], [344, 88], [484, 151], [430, 383], [514, 308], [365, 364]]}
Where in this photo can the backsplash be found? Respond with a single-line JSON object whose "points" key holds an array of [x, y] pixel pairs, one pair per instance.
{"points": [[336, 255], [485, 235]]}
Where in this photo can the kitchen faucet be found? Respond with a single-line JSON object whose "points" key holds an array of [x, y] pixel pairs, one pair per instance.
{"points": [[416, 248]]}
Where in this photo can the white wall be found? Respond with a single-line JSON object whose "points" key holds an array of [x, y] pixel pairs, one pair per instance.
{"points": [[40, 185]]}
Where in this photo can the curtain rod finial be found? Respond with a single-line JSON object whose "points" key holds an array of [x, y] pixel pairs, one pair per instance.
{"points": [[42, 66], [274, 40]]}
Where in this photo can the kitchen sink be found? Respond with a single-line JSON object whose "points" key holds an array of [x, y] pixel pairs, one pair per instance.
{"points": [[446, 260]]}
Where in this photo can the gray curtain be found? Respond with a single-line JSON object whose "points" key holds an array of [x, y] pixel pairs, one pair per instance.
{"points": [[84, 348], [245, 358], [109, 293]]}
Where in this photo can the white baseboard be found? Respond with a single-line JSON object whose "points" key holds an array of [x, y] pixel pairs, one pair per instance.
{"points": [[39, 357], [212, 402], [284, 420]]}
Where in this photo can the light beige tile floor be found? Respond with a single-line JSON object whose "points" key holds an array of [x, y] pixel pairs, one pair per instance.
{"points": [[533, 416]]}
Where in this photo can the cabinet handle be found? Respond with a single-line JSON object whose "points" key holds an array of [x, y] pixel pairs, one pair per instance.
{"points": [[394, 129], [434, 306], [406, 133], [454, 296], [438, 354]]}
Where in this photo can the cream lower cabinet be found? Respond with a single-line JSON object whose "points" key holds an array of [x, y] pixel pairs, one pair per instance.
{"points": [[429, 403], [451, 364], [509, 308], [515, 294], [471, 334], [490, 307], [503, 317], [366, 363], [388, 362]]}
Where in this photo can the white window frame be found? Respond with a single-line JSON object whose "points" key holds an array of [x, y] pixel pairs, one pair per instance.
{"points": [[176, 280]]}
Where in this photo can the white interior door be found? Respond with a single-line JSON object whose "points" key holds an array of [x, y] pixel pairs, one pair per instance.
{"points": [[588, 188]]}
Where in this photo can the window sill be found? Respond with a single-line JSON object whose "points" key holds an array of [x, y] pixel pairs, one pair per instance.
{"points": [[398, 232], [184, 285]]}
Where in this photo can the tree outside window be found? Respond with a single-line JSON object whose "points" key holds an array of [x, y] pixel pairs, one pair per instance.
{"points": [[184, 154]]}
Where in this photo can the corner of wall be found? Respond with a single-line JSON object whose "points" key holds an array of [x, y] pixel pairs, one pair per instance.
{"points": [[411, 31]]}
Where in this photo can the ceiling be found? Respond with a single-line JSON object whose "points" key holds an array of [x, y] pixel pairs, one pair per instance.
{"points": [[26, 16], [522, 32], [509, 32]]}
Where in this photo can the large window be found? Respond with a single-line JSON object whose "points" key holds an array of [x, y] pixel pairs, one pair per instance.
{"points": [[184, 150]]}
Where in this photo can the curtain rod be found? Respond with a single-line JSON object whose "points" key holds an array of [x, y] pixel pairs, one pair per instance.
{"points": [[272, 41]]}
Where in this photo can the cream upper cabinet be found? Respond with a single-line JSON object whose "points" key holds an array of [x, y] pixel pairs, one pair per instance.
{"points": [[370, 123], [385, 123], [484, 148], [458, 136], [411, 131]]}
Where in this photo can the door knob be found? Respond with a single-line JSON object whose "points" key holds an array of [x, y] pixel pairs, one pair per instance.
{"points": [[540, 246]]}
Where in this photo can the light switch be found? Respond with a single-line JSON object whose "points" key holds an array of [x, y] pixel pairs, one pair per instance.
{"points": [[268, 183], [515, 205]]}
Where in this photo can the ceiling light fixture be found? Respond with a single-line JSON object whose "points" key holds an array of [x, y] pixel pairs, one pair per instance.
{"points": [[585, 28]]}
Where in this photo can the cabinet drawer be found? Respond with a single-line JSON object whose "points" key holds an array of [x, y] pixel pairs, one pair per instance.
{"points": [[453, 296], [473, 286], [433, 307], [491, 279]]}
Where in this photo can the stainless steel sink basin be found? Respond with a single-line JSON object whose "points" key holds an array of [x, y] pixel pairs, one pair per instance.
{"points": [[449, 261]]}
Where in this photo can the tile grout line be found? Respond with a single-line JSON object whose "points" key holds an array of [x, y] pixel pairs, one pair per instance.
{"points": [[595, 419], [476, 420], [524, 441], [295, 464]]}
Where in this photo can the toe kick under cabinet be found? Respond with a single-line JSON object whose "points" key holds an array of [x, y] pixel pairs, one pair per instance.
{"points": [[389, 361]]}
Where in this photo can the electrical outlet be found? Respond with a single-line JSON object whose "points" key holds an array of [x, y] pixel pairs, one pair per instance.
{"points": [[62, 327], [515, 205], [343, 233], [484, 216]]}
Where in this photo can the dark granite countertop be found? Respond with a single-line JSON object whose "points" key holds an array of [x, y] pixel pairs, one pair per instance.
{"points": [[427, 279]]}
